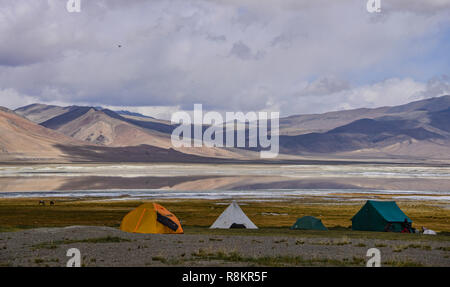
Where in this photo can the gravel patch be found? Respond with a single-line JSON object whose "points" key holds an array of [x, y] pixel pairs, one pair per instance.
{"points": [[105, 246]]}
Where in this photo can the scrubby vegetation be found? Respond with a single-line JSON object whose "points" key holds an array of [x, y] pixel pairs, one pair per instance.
{"points": [[196, 215]]}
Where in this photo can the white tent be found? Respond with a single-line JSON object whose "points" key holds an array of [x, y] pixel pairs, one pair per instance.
{"points": [[428, 231], [233, 215]]}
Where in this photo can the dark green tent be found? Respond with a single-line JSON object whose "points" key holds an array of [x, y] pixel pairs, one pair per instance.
{"points": [[375, 216], [309, 223]]}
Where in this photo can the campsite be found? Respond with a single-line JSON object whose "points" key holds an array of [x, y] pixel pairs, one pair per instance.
{"points": [[200, 133], [43, 234]]}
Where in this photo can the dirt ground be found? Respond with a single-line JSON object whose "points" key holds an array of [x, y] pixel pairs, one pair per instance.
{"points": [[107, 246]]}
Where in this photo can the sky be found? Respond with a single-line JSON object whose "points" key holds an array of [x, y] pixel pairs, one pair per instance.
{"points": [[291, 56]]}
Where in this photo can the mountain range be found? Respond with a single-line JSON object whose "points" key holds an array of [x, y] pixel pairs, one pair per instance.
{"points": [[419, 130]]}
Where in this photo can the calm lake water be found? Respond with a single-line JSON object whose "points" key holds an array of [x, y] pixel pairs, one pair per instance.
{"points": [[208, 181]]}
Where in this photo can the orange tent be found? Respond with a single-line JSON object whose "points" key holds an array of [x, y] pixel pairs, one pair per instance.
{"points": [[151, 218]]}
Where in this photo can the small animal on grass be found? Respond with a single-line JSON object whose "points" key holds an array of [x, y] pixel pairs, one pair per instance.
{"points": [[41, 202], [52, 202]]}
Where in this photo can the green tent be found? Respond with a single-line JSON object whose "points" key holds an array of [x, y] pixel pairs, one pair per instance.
{"points": [[375, 216], [309, 223]]}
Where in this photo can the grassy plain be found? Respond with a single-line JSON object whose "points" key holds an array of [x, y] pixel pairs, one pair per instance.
{"points": [[196, 215]]}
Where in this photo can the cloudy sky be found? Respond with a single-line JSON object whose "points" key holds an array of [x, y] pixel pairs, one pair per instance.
{"points": [[292, 56]]}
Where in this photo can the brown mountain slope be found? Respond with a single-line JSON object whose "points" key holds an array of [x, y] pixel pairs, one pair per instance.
{"points": [[303, 124], [105, 128], [40, 113], [436, 150], [23, 139], [96, 127], [416, 130], [320, 123]]}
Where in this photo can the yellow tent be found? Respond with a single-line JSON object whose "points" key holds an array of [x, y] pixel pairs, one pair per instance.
{"points": [[151, 218]]}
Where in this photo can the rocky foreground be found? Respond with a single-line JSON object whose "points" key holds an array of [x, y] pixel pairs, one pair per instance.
{"points": [[105, 246]]}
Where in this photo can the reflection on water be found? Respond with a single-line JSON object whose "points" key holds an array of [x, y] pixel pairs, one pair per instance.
{"points": [[294, 171], [237, 194], [218, 181]]}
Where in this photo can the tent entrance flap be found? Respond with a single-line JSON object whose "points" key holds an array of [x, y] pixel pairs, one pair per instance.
{"points": [[237, 225], [164, 220]]}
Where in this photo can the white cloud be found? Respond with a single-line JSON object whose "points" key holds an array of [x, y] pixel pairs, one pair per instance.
{"points": [[331, 95], [227, 55], [390, 92], [12, 99], [438, 86]]}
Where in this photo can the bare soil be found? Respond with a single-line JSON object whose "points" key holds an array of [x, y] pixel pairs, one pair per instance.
{"points": [[106, 246]]}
